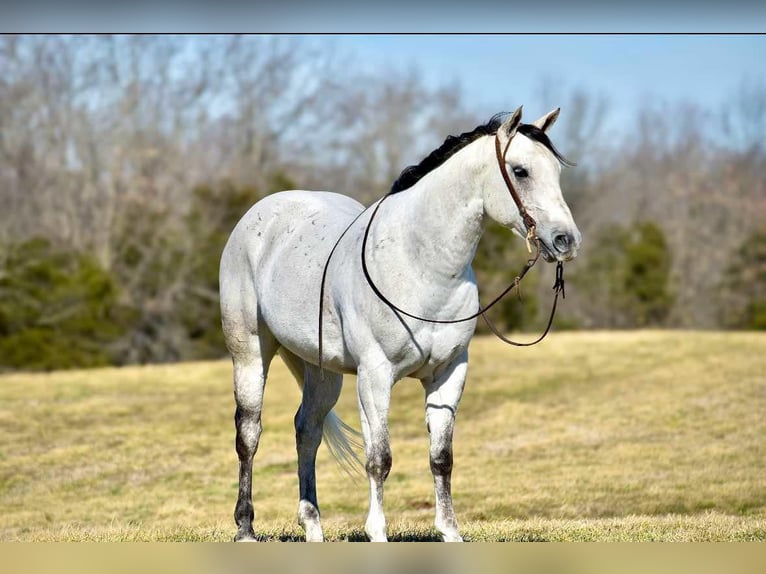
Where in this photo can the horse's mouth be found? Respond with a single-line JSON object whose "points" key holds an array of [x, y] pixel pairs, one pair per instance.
{"points": [[546, 252], [551, 255]]}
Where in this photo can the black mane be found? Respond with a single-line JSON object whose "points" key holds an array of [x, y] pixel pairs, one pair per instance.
{"points": [[453, 144]]}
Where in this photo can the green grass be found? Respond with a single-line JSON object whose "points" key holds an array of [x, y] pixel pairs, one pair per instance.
{"points": [[614, 436]]}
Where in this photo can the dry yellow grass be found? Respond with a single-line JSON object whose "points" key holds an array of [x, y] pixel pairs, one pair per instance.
{"points": [[644, 435]]}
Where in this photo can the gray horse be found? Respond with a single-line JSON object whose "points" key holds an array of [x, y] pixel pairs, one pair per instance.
{"points": [[419, 253]]}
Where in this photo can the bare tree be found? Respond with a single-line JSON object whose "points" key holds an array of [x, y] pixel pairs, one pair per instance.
{"points": [[104, 140], [745, 120]]}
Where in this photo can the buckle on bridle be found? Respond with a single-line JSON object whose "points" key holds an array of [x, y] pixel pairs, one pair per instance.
{"points": [[531, 236]]}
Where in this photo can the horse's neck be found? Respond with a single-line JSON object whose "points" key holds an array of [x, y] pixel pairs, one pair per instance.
{"points": [[443, 216]]}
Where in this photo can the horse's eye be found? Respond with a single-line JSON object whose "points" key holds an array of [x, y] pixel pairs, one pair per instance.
{"points": [[520, 172]]}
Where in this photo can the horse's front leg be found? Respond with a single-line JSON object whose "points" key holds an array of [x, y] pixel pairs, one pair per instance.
{"points": [[443, 393], [374, 395]]}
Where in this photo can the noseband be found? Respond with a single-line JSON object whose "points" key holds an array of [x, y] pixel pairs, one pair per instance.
{"points": [[531, 238]]}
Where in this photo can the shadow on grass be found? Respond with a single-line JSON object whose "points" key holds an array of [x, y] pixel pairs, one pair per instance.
{"points": [[352, 536], [360, 536], [403, 536], [524, 537]]}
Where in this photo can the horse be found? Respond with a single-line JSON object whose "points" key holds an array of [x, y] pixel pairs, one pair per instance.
{"points": [[419, 253]]}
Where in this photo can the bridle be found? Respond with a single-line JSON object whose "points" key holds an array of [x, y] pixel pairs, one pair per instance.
{"points": [[531, 239]]}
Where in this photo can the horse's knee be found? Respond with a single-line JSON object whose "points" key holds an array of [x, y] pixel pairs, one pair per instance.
{"points": [[307, 431], [248, 425], [248, 394], [441, 460], [379, 463]]}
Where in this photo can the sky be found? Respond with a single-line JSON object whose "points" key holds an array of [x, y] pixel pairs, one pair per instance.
{"points": [[608, 47], [501, 72], [333, 16]]}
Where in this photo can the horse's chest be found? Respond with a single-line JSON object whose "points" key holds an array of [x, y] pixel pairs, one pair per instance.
{"points": [[432, 346]]}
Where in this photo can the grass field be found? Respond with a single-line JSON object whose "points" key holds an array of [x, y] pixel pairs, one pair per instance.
{"points": [[589, 436]]}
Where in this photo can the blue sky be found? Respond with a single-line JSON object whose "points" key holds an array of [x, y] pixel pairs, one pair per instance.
{"points": [[333, 16], [499, 72]]}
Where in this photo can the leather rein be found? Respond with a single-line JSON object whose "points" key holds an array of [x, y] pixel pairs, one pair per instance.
{"points": [[531, 237]]}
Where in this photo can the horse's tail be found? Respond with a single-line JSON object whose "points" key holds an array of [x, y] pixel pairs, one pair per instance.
{"points": [[343, 442]]}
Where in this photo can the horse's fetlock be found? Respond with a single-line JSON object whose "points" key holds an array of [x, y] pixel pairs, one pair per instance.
{"points": [[307, 512], [308, 518], [244, 515]]}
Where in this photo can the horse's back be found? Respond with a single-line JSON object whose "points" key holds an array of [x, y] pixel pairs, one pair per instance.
{"points": [[289, 221], [272, 264]]}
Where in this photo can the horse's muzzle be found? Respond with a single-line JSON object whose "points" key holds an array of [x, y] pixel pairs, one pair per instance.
{"points": [[563, 246]]}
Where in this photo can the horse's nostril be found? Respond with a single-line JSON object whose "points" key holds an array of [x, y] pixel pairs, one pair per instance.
{"points": [[562, 242]]}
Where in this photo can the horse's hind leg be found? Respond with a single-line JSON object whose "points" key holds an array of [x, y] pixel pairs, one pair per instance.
{"points": [[319, 397], [251, 365], [443, 394]]}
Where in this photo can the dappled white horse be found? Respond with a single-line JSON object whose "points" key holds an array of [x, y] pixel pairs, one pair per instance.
{"points": [[419, 255]]}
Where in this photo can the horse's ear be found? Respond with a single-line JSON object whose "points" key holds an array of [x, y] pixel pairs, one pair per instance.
{"points": [[546, 121], [510, 125]]}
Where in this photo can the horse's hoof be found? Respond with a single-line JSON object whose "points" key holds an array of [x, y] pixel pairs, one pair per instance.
{"points": [[377, 537], [452, 537], [246, 535], [313, 532], [375, 527]]}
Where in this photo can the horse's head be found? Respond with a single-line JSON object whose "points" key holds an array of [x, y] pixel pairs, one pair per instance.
{"points": [[534, 168]]}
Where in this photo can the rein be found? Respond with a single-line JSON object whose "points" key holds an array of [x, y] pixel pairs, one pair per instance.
{"points": [[530, 224]]}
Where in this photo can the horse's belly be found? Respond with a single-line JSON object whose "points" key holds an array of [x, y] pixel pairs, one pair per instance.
{"points": [[288, 277]]}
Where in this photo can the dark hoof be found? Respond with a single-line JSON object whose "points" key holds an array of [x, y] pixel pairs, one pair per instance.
{"points": [[245, 535]]}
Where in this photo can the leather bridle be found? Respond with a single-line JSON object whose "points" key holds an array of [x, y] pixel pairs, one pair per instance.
{"points": [[531, 237]]}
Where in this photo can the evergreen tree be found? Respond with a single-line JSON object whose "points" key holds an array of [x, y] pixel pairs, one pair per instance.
{"points": [[744, 285], [58, 309]]}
